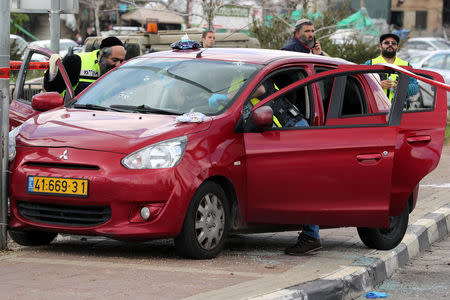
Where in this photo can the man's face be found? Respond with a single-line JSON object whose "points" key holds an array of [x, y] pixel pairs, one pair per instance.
{"points": [[306, 35], [114, 60], [389, 47], [209, 40]]}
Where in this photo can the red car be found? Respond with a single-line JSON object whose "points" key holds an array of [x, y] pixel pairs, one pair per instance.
{"points": [[193, 143]]}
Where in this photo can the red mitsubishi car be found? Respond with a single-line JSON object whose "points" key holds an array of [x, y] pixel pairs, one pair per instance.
{"points": [[192, 144]]}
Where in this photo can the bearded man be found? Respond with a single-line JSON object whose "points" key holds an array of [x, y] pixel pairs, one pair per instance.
{"points": [[304, 39], [389, 44], [84, 68]]}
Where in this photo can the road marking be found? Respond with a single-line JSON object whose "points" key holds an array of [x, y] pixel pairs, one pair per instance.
{"points": [[444, 186]]}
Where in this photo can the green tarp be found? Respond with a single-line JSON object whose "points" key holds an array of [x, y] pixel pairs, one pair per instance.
{"points": [[359, 20]]}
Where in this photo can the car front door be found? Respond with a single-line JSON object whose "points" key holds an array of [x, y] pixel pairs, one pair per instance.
{"points": [[29, 82], [337, 174]]}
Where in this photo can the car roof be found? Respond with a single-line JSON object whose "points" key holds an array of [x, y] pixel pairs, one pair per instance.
{"points": [[425, 39], [43, 42], [248, 55]]}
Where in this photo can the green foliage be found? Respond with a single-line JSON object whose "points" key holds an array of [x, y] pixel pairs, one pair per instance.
{"points": [[272, 35], [355, 50], [18, 19]]}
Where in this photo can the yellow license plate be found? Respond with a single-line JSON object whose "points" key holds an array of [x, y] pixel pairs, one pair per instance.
{"points": [[56, 185]]}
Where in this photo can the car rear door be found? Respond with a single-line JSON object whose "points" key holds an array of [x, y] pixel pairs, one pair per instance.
{"points": [[419, 143], [30, 82], [337, 174]]}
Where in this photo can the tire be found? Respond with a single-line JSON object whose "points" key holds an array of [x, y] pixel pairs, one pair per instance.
{"points": [[32, 238], [205, 225], [386, 238]]}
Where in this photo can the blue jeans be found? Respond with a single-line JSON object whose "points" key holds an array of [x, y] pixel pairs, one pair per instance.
{"points": [[311, 230]]}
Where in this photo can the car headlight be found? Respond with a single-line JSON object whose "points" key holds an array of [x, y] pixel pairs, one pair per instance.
{"points": [[161, 155], [12, 142]]}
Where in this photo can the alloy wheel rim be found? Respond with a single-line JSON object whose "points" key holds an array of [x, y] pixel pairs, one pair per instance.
{"points": [[209, 221]]}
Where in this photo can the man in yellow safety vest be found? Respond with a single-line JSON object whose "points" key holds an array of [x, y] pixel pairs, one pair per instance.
{"points": [[389, 47], [86, 67]]}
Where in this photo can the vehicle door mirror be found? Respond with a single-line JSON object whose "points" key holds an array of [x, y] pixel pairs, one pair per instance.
{"points": [[46, 101], [263, 117]]}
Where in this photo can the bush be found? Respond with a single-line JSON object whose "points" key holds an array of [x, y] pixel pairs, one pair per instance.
{"points": [[356, 50]]}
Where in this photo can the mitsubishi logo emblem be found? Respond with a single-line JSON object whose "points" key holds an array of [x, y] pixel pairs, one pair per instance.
{"points": [[64, 155]]}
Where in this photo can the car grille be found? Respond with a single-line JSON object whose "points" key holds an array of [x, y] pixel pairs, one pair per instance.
{"points": [[63, 166], [67, 215]]}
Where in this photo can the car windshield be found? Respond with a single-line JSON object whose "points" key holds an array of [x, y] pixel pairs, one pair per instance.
{"points": [[440, 44], [177, 86]]}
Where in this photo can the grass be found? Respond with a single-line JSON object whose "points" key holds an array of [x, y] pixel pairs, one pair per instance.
{"points": [[447, 133]]}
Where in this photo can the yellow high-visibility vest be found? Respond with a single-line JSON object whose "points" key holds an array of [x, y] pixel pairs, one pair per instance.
{"points": [[399, 62]]}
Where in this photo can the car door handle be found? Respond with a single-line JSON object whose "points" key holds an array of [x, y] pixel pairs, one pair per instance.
{"points": [[368, 157], [418, 139]]}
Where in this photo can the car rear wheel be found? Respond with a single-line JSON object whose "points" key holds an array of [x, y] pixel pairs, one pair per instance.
{"points": [[32, 238], [205, 225], [386, 238]]}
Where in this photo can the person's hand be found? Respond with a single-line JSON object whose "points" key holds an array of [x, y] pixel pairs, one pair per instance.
{"points": [[52, 64], [388, 84], [317, 49], [216, 99]]}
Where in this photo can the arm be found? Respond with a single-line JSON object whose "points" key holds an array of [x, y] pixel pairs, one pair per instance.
{"points": [[413, 87], [72, 64]]}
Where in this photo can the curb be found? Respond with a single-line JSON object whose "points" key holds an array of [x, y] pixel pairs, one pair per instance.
{"points": [[368, 271]]}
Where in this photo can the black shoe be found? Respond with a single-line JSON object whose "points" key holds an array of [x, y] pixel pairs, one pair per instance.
{"points": [[305, 244]]}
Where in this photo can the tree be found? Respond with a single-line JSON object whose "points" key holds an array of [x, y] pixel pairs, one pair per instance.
{"points": [[18, 19]]}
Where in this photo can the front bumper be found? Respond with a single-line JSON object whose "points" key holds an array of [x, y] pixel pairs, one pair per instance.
{"points": [[114, 189]]}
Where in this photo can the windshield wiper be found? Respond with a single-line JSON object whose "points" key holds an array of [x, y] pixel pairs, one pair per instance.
{"points": [[96, 107], [146, 109]]}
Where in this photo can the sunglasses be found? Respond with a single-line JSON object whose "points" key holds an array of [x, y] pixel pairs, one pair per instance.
{"points": [[390, 43]]}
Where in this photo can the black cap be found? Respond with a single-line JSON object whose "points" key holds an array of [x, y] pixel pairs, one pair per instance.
{"points": [[389, 35], [110, 41]]}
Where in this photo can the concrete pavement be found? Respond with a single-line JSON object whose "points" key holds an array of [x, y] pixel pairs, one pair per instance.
{"points": [[251, 266]]}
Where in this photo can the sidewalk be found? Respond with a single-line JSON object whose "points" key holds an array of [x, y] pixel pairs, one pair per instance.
{"points": [[250, 267]]}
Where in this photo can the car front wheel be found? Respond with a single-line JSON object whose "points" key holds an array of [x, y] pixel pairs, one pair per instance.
{"points": [[32, 238], [386, 238], [205, 224]]}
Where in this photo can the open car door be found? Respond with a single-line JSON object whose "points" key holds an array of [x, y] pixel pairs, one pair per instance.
{"points": [[349, 171], [30, 82]]}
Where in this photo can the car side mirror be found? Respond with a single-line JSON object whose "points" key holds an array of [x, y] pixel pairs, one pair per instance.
{"points": [[46, 101], [263, 117]]}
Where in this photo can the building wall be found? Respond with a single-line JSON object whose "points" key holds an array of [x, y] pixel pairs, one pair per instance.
{"points": [[409, 8]]}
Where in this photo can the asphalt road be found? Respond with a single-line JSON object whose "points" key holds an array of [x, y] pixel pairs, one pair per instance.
{"points": [[74, 267], [424, 277]]}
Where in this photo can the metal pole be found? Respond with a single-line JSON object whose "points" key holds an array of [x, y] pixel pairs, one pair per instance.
{"points": [[4, 117], [55, 26]]}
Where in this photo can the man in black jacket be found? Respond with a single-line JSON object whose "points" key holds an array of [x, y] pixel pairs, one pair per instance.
{"points": [[86, 67], [304, 39]]}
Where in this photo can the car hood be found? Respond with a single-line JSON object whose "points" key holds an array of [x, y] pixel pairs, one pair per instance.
{"points": [[103, 131]]}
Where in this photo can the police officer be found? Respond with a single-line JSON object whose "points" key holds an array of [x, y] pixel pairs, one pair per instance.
{"points": [[389, 43], [285, 113], [86, 67]]}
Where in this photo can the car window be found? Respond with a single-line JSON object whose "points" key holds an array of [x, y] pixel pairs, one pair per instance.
{"points": [[436, 61], [34, 79], [422, 46], [291, 108], [413, 61], [424, 99], [439, 45], [178, 85]]}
